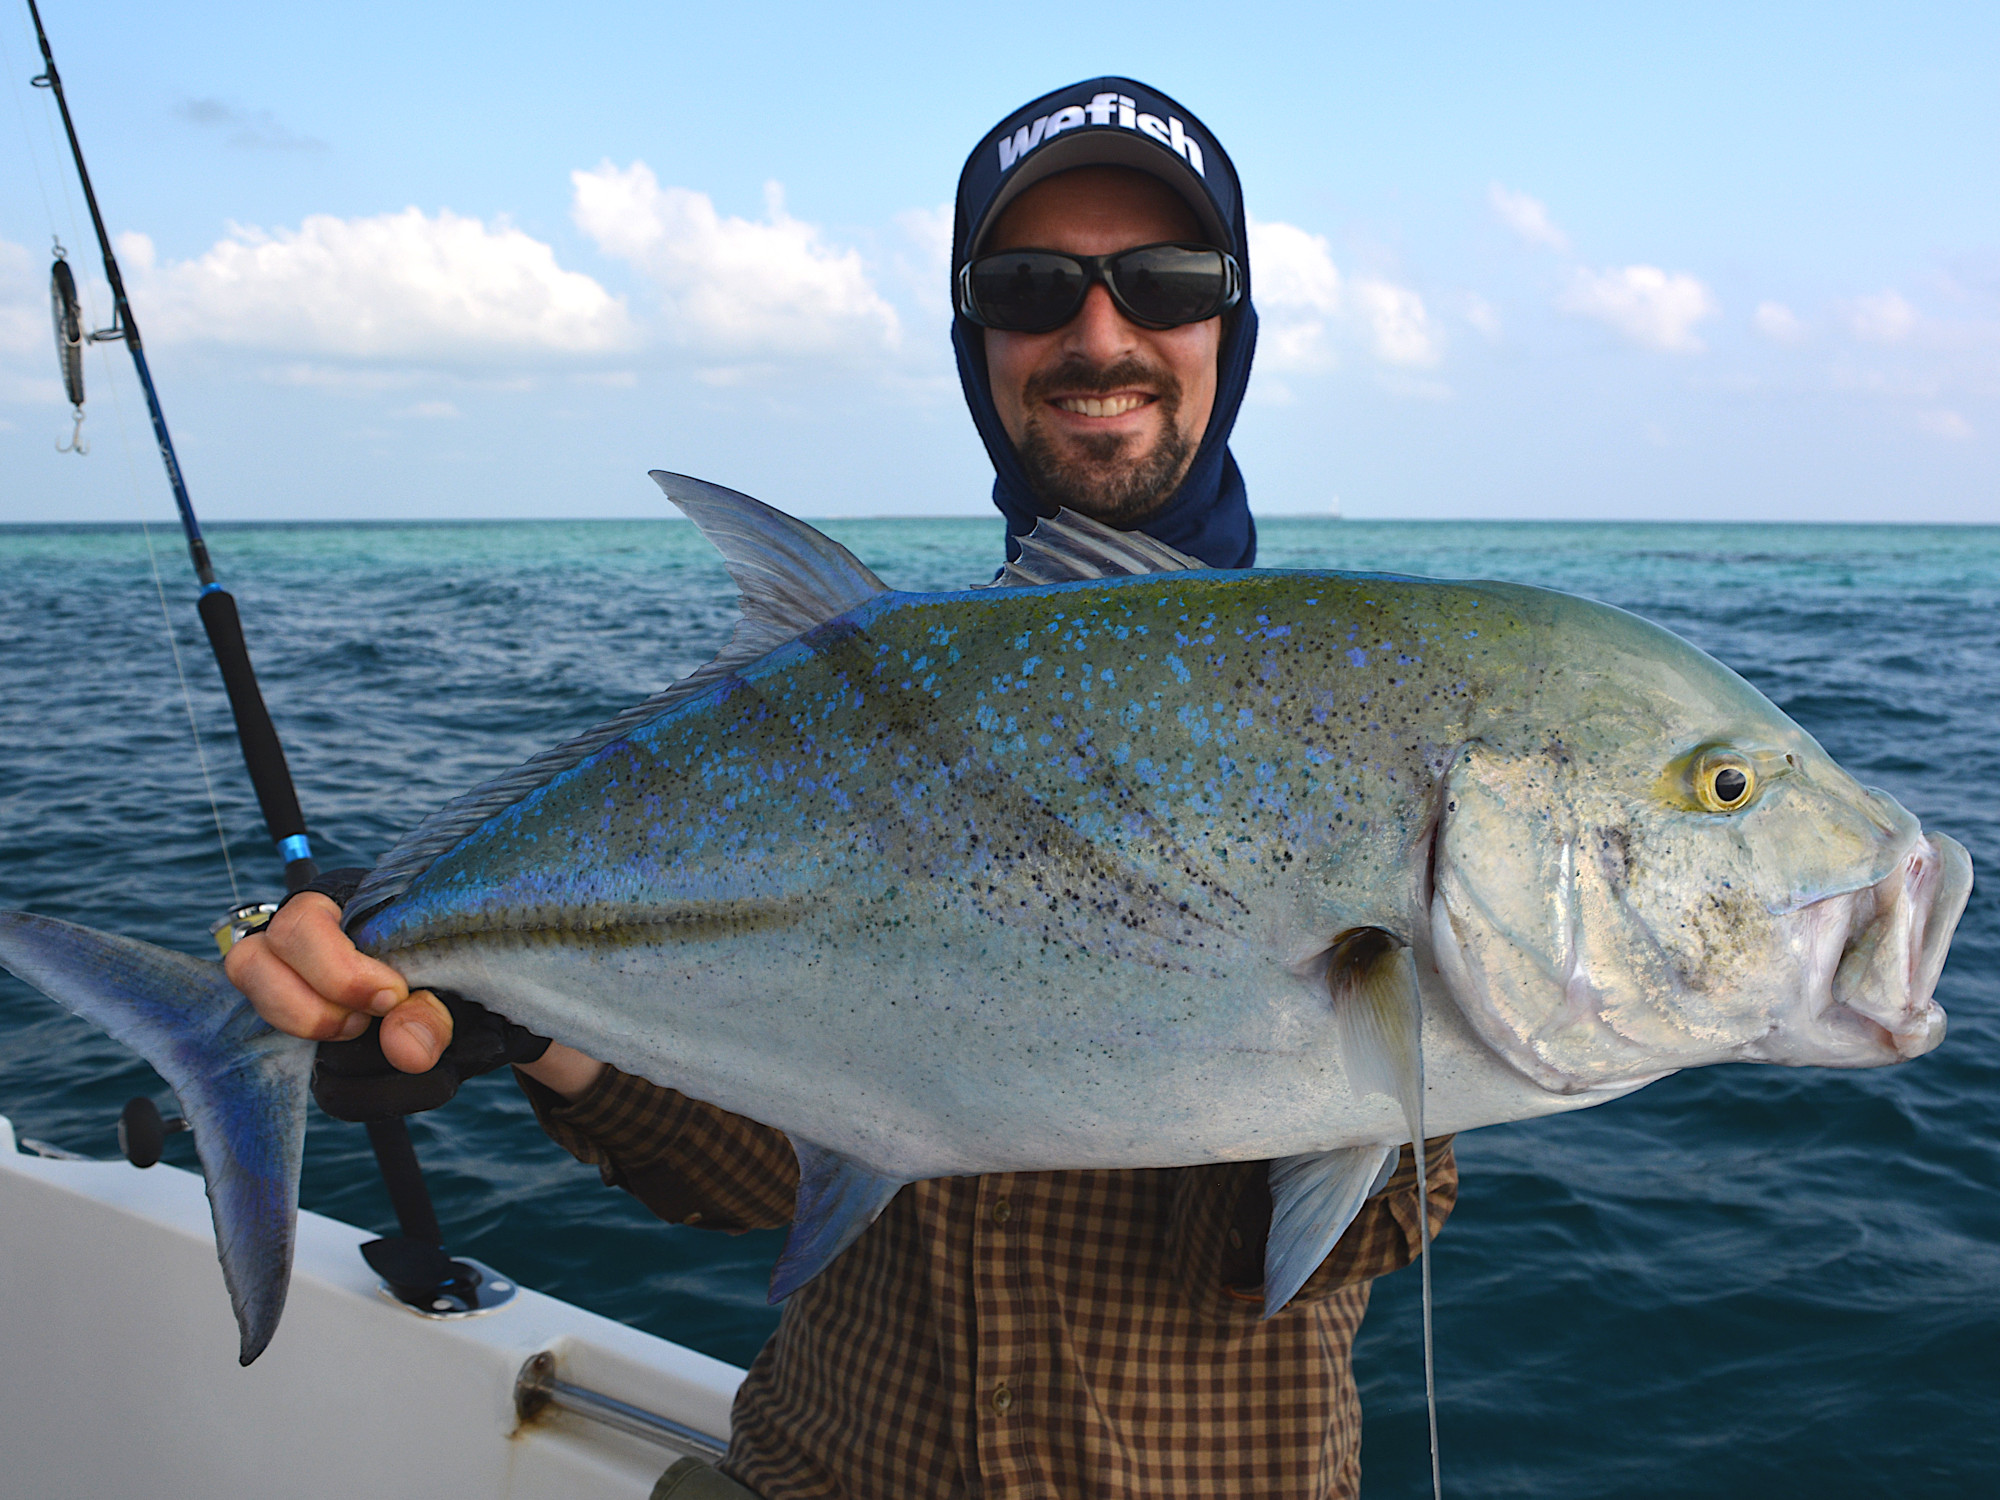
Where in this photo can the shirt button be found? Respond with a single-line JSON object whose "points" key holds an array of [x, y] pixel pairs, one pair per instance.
{"points": [[1002, 1399], [1002, 1211]]}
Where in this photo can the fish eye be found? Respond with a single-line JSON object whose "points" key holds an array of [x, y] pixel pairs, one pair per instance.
{"points": [[1723, 781]]}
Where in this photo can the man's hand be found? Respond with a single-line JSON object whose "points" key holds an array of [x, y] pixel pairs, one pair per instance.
{"points": [[307, 979], [305, 976]]}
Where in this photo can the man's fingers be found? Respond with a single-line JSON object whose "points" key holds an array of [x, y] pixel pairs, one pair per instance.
{"points": [[306, 935], [414, 1034], [285, 1000]]}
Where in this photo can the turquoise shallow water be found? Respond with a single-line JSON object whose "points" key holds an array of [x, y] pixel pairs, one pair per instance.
{"points": [[1739, 1282]]}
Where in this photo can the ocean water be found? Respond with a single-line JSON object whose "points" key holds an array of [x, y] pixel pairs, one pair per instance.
{"points": [[1741, 1281]]}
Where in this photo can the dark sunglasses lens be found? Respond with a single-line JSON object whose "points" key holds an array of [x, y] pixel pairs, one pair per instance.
{"points": [[1171, 284], [1029, 292]]}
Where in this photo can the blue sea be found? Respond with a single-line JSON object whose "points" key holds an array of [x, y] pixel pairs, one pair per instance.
{"points": [[1742, 1281]]}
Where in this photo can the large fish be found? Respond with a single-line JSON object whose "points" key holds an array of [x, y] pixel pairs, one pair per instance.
{"points": [[1133, 864]]}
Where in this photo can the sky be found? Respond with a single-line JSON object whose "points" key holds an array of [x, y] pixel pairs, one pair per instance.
{"points": [[1700, 262]]}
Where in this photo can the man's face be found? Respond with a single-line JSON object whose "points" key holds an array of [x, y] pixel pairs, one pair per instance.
{"points": [[1105, 415]]}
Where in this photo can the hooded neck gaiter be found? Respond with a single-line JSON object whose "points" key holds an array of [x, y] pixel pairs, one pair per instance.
{"points": [[1117, 122]]}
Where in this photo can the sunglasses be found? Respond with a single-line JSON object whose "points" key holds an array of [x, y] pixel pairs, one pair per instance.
{"points": [[1156, 286]]}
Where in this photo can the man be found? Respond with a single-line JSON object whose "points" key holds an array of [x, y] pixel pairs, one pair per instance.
{"points": [[1038, 1334]]}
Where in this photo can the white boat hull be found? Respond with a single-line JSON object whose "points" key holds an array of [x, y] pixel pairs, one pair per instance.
{"points": [[118, 1372]]}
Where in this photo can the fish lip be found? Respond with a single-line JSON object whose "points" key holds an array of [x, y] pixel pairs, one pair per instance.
{"points": [[1952, 892], [1879, 989]]}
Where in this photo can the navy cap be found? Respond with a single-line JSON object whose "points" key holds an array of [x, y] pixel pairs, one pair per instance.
{"points": [[1101, 122]]}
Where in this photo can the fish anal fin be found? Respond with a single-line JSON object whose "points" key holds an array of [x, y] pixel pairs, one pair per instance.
{"points": [[1068, 547], [242, 1087], [838, 1199], [1313, 1200]]}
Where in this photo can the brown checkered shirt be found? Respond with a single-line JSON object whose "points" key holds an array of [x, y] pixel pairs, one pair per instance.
{"points": [[1056, 1335]]}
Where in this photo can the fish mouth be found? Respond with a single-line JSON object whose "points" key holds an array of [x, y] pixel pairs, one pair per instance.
{"points": [[1875, 955]]}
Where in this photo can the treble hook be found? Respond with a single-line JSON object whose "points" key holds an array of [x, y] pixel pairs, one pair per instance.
{"points": [[76, 443]]}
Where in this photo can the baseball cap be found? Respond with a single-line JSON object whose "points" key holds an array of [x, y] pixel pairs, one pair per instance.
{"points": [[1101, 122]]}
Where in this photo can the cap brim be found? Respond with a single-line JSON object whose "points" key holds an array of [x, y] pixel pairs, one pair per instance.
{"points": [[1100, 147]]}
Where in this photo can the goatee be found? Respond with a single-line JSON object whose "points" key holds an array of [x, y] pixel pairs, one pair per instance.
{"points": [[1100, 476]]}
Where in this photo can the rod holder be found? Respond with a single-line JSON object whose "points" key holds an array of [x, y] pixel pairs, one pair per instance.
{"points": [[537, 1389]]}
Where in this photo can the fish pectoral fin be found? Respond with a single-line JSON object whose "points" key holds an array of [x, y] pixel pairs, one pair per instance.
{"points": [[1069, 546], [838, 1198], [242, 1087], [1378, 1010], [1313, 1200]]}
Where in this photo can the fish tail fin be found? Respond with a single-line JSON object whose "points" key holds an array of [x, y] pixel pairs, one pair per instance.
{"points": [[242, 1086]]}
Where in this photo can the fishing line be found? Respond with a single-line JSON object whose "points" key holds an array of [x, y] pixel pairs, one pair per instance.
{"points": [[1424, 1256], [28, 134], [187, 697], [107, 370], [167, 623]]}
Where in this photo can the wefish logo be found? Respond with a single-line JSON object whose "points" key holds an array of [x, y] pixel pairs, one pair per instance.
{"points": [[1103, 109]]}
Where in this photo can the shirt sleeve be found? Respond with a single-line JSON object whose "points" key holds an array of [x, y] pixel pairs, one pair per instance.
{"points": [[689, 1162], [1221, 1219]]}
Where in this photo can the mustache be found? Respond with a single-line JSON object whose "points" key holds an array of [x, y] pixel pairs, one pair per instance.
{"points": [[1079, 377]]}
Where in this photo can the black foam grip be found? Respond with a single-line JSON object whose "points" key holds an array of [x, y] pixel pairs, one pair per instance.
{"points": [[262, 753]]}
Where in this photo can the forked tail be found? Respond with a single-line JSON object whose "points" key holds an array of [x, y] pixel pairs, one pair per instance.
{"points": [[242, 1087]]}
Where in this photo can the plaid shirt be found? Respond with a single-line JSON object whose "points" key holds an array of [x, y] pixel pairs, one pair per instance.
{"points": [[1048, 1334]]}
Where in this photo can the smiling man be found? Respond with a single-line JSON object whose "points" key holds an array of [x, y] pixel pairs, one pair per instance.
{"points": [[1033, 1334], [1118, 402]]}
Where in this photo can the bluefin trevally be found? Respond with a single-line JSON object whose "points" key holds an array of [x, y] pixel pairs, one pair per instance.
{"points": [[1129, 863]]}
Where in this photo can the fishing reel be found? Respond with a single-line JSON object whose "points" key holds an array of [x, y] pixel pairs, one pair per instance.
{"points": [[239, 922]]}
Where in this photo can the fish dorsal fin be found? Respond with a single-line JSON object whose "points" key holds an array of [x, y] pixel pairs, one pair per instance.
{"points": [[1068, 546], [789, 579]]}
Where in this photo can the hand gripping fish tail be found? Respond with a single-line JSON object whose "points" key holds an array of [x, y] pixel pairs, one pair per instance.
{"points": [[1137, 862]]}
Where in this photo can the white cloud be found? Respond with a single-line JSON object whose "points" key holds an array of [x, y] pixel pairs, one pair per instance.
{"points": [[1482, 315], [1778, 323], [1647, 305], [1305, 305], [1527, 217], [392, 286], [1884, 318], [24, 313], [925, 263], [734, 288], [1945, 424], [1402, 329], [1298, 296]]}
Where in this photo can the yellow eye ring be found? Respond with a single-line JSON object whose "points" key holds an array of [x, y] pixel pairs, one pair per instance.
{"points": [[1724, 782]]}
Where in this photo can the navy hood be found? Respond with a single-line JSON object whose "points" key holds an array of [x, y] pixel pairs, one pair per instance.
{"points": [[1117, 122]]}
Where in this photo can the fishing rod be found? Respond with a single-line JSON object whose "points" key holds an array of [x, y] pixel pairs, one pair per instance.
{"points": [[263, 755], [415, 1267]]}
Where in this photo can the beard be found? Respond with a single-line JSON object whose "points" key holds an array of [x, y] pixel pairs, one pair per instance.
{"points": [[1107, 477]]}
